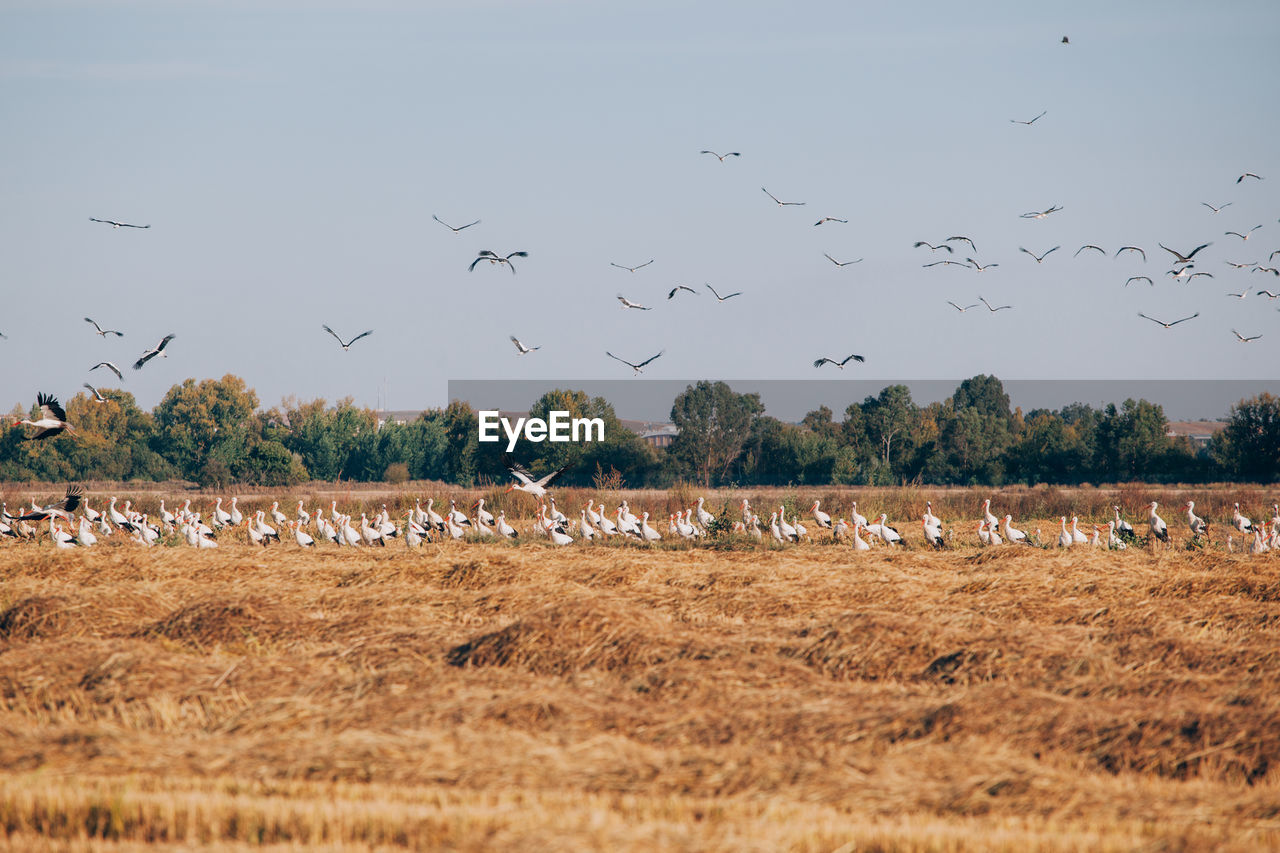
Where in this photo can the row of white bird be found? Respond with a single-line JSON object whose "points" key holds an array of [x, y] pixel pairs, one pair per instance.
{"points": [[418, 525]]}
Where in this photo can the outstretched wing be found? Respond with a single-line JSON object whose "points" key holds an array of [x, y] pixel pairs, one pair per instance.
{"points": [[649, 359], [856, 358], [50, 407], [823, 361], [332, 332], [623, 360], [359, 336], [164, 342], [109, 366]]}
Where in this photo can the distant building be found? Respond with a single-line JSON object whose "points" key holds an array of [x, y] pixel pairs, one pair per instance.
{"points": [[1200, 432]]}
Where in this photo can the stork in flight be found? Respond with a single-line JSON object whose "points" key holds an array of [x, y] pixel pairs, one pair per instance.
{"points": [[115, 224], [839, 364], [495, 258], [61, 509], [345, 345], [1244, 236], [103, 332], [943, 245], [721, 157], [990, 308], [1169, 325], [638, 368], [1243, 339], [627, 303], [631, 269], [680, 287], [52, 420], [1181, 258], [450, 227], [944, 263], [720, 298], [962, 240], [958, 308], [840, 263], [1185, 272], [157, 350], [1219, 207], [1236, 266], [980, 267], [524, 350], [1031, 122], [782, 203], [1134, 278], [1248, 175], [831, 219], [1131, 249], [525, 482], [109, 366], [1040, 258], [1089, 246], [1041, 214], [97, 395]]}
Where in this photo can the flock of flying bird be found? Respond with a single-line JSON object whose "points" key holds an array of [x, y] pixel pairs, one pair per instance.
{"points": [[416, 525]]}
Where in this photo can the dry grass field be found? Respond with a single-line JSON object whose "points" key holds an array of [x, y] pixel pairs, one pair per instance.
{"points": [[489, 697]]}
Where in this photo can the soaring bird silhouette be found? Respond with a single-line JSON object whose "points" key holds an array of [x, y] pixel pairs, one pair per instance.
{"points": [[680, 287], [1181, 258], [1219, 207], [1244, 236], [1134, 278], [157, 350], [1131, 249], [627, 303], [1168, 325], [782, 203], [1040, 258], [992, 309], [115, 224], [1243, 339], [452, 228], [980, 267], [631, 269], [943, 245], [961, 240], [495, 258], [52, 420], [1031, 121], [839, 364], [346, 345], [524, 350], [1088, 246], [97, 395], [638, 368], [831, 219], [721, 157], [1041, 214], [720, 298], [109, 366], [103, 332], [1248, 175], [958, 308], [840, 263]]}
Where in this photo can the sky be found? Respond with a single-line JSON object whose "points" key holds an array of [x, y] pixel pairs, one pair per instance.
{"points": [[289, 158]]}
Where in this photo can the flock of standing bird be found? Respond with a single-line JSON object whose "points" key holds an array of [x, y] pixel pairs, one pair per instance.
{"points": [[418, 525]]}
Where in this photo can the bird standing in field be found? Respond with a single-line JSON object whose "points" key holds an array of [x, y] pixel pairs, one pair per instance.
{"points": [[839, 364], [52, 420], [346, 345], [103, 332], [157, 350]]}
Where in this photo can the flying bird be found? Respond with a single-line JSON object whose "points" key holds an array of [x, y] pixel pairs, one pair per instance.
{"points": [[450, 227], [962, 240], [679, 287], [721, 157], [831, 219], [989, 308], [839, 364], [840, 263], [980, 267], [1271, 270], [1168, 325], [1041, 214], [1028, 123], [537, 488], [1236, 266], [958, 308], [1066, 40], [1088, 246], [1244, 236], [52, 420], [97, 395], [782, 203], [1040, 258], [627, 303], [1184, 259], [1268, 294], [953, 263], [1131, 249], [115, 224], [1134, 278], [1243, 339], [1219, 207], [631, 269], [157, 350], [943, 245], [524, 350], [1241, 295], [346, 345], [104, 332], [495, 258], [638, 368], [720, 298], [61, 509], [1248, 175], [109, 366], [1185, 272]]}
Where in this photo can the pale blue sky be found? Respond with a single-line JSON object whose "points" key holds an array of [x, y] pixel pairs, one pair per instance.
{"points": [[289, 158]]}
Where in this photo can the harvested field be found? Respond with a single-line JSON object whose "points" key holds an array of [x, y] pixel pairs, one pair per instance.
{"points": [[481, 697]]}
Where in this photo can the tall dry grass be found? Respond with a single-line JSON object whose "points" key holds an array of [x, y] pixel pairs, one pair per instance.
{"points": [[487, 697]]}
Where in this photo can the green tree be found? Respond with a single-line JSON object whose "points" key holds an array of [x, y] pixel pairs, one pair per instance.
{"points": [[714, 424], [1248, 447], [196, 419]]}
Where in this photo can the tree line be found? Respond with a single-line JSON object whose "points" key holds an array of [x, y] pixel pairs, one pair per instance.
{"points": [[214, 433]]}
